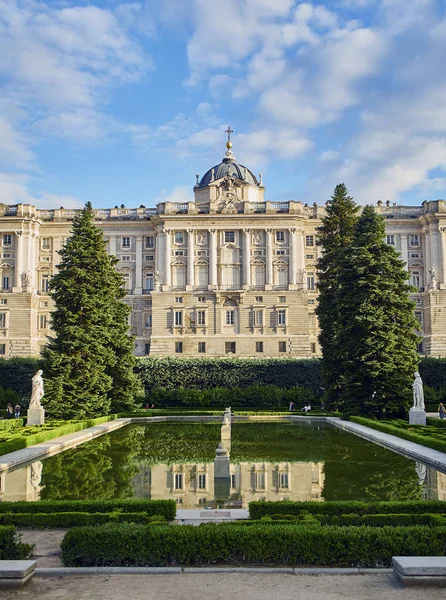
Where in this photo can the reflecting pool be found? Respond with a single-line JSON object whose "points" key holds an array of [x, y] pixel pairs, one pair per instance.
{"points": [[272, 461]]}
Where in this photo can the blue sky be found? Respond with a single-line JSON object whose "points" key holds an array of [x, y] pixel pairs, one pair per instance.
{"points": [[123, 102]]}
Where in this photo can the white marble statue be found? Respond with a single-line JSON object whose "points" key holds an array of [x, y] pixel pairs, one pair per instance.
{"points": [[433, 274], [418, 394], [37, 390]]}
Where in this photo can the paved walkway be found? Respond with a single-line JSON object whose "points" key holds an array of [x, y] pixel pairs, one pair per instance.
{"points": [[233, 586]]}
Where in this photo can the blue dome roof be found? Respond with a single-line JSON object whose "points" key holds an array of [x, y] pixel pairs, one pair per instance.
{"points": [[228, 165]]}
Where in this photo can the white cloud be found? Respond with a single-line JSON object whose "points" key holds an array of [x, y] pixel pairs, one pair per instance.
{"points": [[14, 189], [179, 194], [14, 146]]}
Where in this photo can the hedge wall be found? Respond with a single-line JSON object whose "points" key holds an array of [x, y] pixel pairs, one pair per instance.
{"points": [[258, 510], [139, 545], [77, 519], [163, 508], [206, 373]]}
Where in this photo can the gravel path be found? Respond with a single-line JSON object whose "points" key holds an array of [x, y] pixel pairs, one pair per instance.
{"points": [[223, 587]]}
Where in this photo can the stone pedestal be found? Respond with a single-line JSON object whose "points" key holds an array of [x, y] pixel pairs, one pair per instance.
{"points": [[221, 463], [417, 416], [35, 416]]}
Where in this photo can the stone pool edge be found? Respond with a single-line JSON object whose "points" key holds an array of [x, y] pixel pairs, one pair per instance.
{"points": [[417, 452]]}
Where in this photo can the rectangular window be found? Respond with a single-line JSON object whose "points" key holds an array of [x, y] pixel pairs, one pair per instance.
{"points": [[7, 239], [179, 347], [414, 240], [202, 481], [259, 298], [201, 317], [419, 317], [202, 347], [229, 237], [230, 347], [126, 257], [46, 243], [2, 349], [178, 481], [281, 299], [259, 346], [146, 349], [417, 301], [44, 282], [282, 346], [178, 318], [281, 317], [311, 301], [390, 239], [310, 281], [150, 242], [5, 282], [280, 236], [201, 298], [233, 481], [415, 279], [148, 282], [309, 240], [201, 252], [258, 481], [179, 299], [148, 320], [3, 301], [43, 321], [258, 318], [283, 481], [149, 257], [125, 242], [179, 252], [2, 320], [179, 237], [313, 347], [230, 317], [309, 256], [280, 252], [6, 255]]}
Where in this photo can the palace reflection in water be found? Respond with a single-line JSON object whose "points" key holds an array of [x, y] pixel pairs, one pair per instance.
{"points": [[193, 485]]}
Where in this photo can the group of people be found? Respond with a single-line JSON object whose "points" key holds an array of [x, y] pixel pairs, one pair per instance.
{"points": [[305, 409], [13, 412]]}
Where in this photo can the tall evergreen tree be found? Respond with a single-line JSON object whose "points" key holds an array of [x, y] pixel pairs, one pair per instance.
{"points": [[377, 340], [335, 234], [88, 365]]}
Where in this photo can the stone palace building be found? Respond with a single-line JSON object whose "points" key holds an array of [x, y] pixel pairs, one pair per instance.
{"points": [[229, 273]]}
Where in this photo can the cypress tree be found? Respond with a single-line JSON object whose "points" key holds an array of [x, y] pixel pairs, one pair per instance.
{"points": [[334, 235], [88, 365], [377, 340]]}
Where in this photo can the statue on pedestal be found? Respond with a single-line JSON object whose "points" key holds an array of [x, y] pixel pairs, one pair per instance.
{"points": [[37, 390], [418, 393]]}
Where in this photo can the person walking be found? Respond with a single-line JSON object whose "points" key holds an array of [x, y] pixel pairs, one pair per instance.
{"points": [[9, 411], [17, 411], [441, 410]]}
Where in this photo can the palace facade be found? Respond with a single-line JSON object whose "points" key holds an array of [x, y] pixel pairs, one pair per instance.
{"points": [[229, 273]]}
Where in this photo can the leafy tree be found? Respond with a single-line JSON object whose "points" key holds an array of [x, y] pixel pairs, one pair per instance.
{"points": [[88, 365], [334, 235], [376, 338]]}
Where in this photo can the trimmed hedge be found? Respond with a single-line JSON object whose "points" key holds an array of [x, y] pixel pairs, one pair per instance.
{"points": [[11, 548], [139, 545], [43, 433], [257, 510], [208, 373], [77, 519], [163, 508], [411, 436], [266, 396]]}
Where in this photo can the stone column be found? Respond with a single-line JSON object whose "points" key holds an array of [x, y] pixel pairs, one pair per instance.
{"points": [[18, 262], [426, 246], [138, 273], [159, 263], [56, 257], [435, 256], [300, 258], [443, 257], [292, 274], [112, 245], [213, 258], [246, 259], [269, 260], [190, 282], [167, 260], [404, 247]]}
